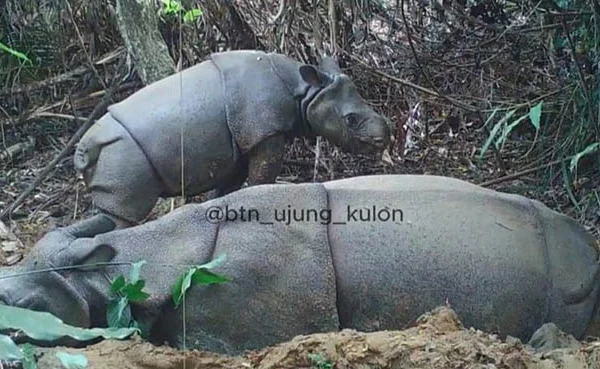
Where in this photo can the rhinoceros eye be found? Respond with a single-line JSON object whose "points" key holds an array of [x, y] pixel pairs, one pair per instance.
{"points": [[351, 120]]}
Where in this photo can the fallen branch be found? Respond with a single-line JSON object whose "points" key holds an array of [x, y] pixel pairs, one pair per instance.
{"points": [[76, 137], [17, 149]]}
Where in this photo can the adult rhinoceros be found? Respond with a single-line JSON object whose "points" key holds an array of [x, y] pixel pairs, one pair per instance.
{"points": [[368, 253]]}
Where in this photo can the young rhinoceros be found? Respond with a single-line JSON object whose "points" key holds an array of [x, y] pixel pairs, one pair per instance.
{"points": [[232, 113]]}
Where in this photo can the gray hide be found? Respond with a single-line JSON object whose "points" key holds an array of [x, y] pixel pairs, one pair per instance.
{"points": [[233, 113], [504, 263]]}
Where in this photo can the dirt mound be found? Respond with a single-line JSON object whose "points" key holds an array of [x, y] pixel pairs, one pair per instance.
{"points": [[438, 341]]}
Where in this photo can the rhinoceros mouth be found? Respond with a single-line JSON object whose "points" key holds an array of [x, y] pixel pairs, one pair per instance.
{"points": [[372, 144]]}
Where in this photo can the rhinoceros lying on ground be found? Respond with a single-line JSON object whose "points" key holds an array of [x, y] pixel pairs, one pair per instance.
{"points": [[234, 112], [369, 253]]}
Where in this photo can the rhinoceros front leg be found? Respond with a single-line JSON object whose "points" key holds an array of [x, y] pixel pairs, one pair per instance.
{"points": [[265, 161], [260, 166]]}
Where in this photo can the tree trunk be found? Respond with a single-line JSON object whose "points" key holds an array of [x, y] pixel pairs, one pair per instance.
{"points": [[138, 25]]}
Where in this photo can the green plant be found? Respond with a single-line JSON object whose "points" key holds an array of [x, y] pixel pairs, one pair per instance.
{"points": [[502, 126], [200, 275], [173, 7], [118, 313], [44, 326], [320, 362], [15, 53]]}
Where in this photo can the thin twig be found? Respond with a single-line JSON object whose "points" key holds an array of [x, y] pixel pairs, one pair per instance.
{"points": [[522, 173]]}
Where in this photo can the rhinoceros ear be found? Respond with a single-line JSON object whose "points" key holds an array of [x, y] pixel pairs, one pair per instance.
{"points": [[313, 76], [87, 255]]}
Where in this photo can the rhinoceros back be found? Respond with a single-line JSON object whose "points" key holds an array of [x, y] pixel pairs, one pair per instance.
{"points": [[188, 105], [503, 262]]}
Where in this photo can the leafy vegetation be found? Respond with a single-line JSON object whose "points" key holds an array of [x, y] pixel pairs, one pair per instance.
{"points": [[173, 7], [15, 53], [122, 293], [44, 326], [200, 275], [320, 362]]}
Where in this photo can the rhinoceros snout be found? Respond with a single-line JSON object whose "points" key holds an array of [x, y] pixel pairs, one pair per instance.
{"points": [[377, 138]]}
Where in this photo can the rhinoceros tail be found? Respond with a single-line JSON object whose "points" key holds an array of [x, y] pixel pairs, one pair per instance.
{"points": [[85, 156]]}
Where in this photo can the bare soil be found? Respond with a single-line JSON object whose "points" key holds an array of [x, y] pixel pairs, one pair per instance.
{"points": [[439, 340]]}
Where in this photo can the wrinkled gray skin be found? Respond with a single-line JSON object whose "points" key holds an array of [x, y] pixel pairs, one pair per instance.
{"points": [[504, 263], [234, 112]]}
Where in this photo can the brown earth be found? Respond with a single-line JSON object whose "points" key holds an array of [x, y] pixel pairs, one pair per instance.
{"points": [[439, 340]]}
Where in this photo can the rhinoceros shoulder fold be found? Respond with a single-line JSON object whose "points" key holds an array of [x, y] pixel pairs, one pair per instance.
{"points": [[259, 90]]}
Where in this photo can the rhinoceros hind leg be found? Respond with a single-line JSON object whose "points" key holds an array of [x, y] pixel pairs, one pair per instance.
{"points": [[123, 184], [265, 161]]}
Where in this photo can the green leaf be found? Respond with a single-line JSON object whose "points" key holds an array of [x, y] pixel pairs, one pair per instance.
{"points": [[204, 276], [182, 285], [495, 130], [192, 15], [534, 115], [70, 361], [46, 327], [197, 275], [567, 183], [117, 284], [590, 149], [134, 291], [14, 52], [506, 131], [118, 313], [135, 271], [218, 261], [9, 350], [29, 361]]}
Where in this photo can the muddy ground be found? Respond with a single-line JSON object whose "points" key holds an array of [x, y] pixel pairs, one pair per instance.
{"points": [[439, 340]]}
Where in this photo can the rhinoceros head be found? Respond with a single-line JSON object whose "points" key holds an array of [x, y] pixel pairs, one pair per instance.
{"points": [[46, 281], [339, 113]]}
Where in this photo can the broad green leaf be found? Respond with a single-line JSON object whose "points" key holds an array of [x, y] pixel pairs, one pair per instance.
{"points": [[192, 15], [29, 361], [135, 271], [197, 275], [70, 361], [46, 327], [134, 291], [14, 52], [534, 115], [9, 350], [118, 313], [218, 261], [117, 284], [203, 276], [181, 286], [590, 149]]}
